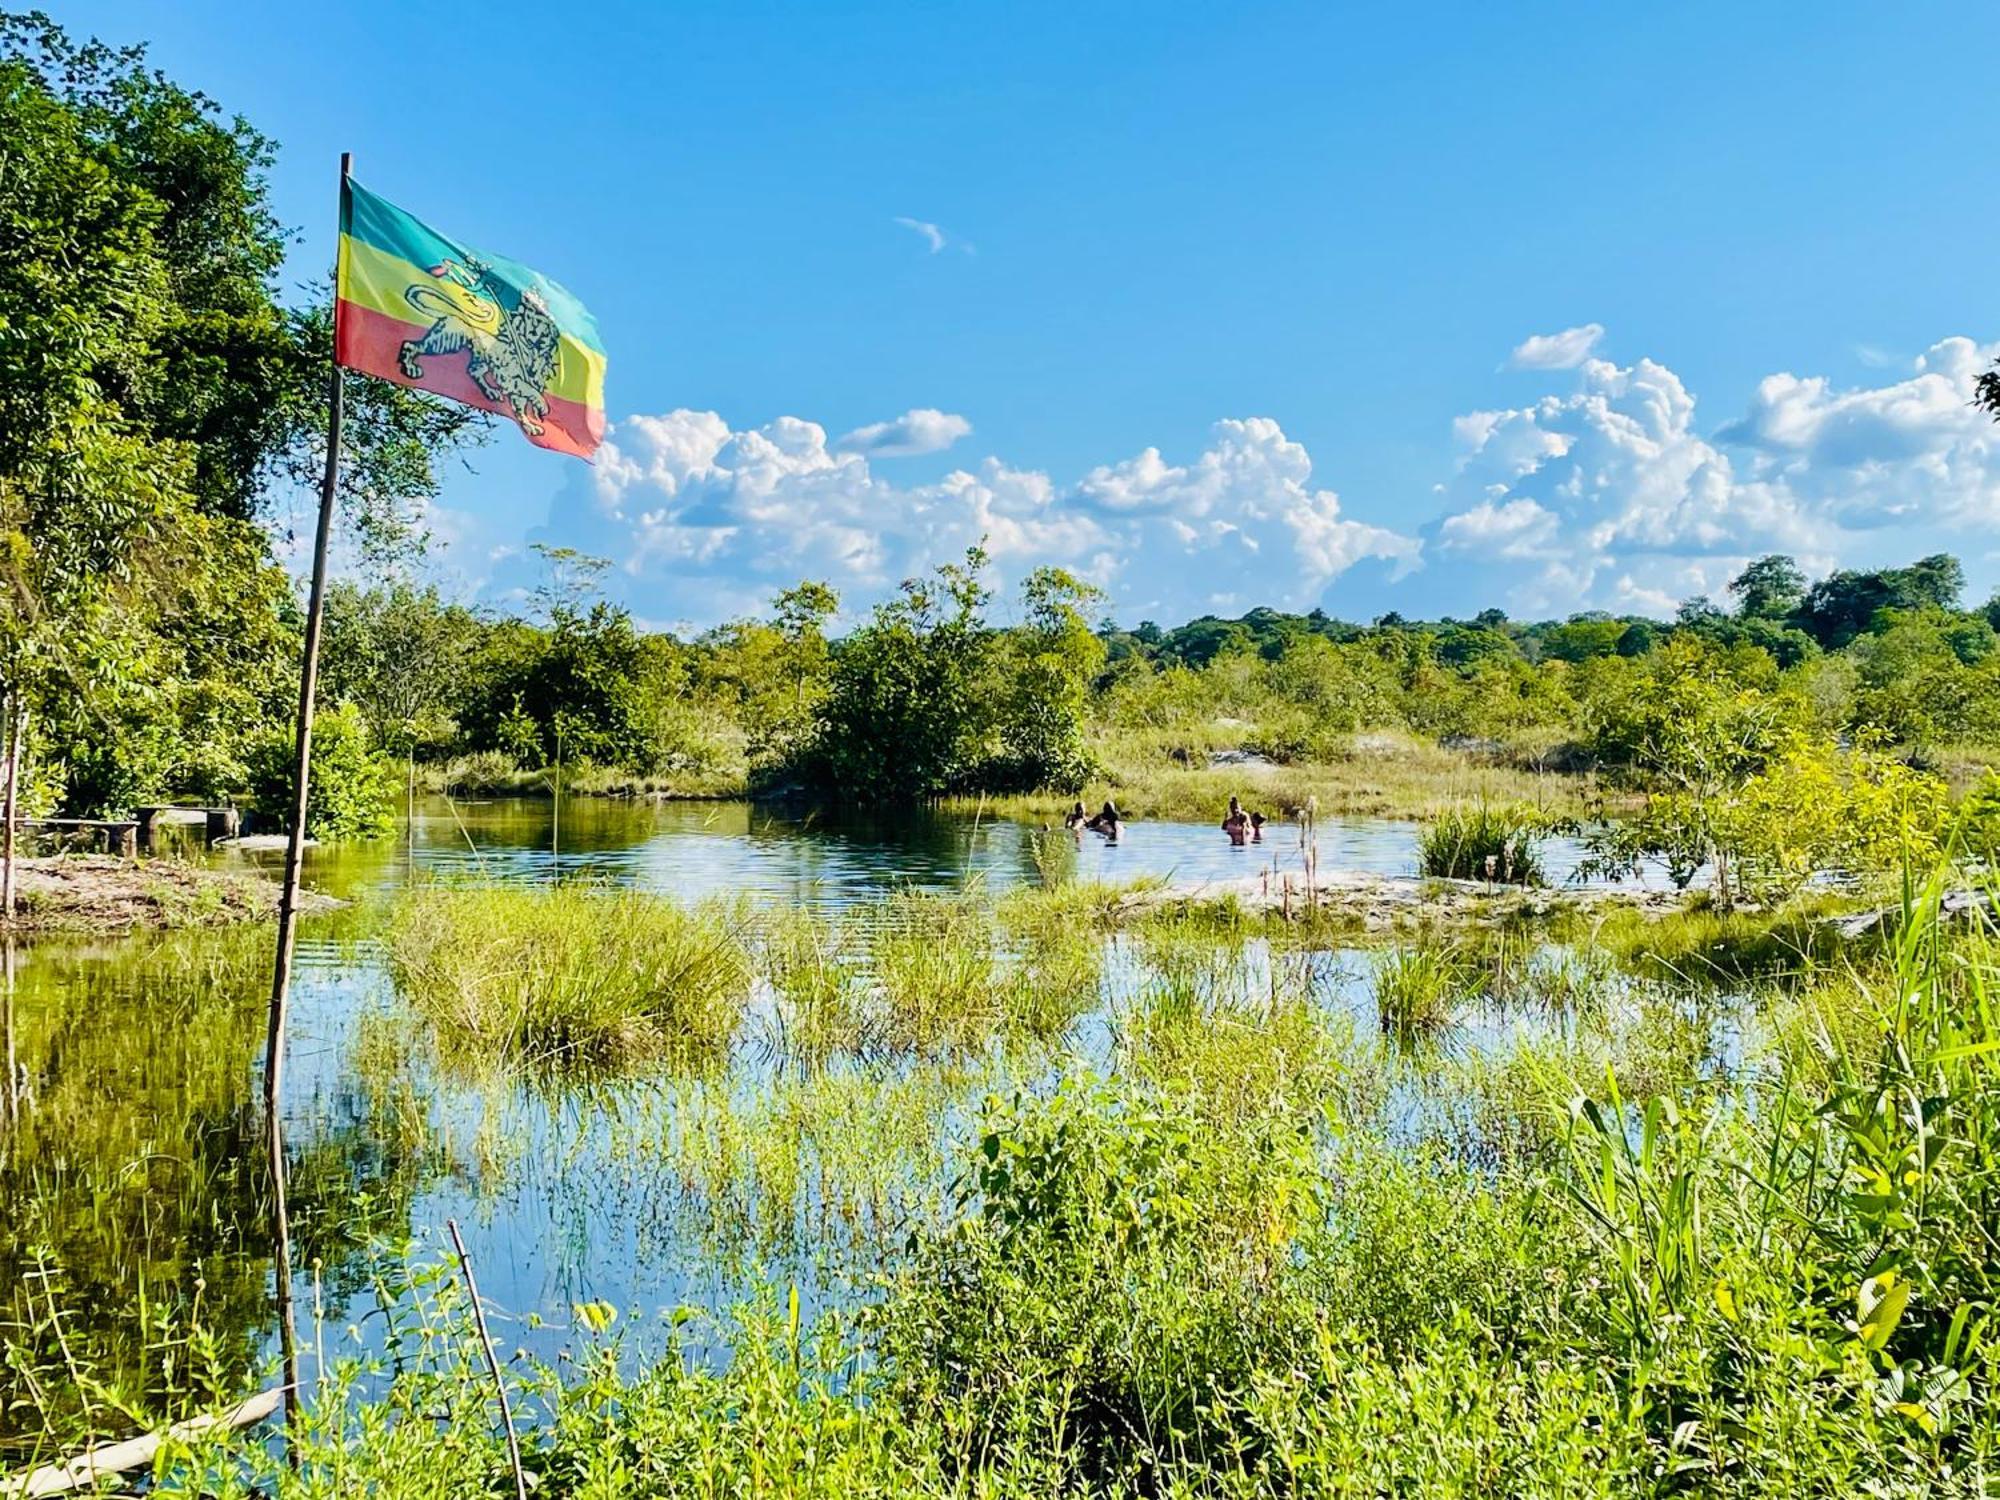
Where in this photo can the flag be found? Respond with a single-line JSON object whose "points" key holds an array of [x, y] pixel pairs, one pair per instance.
{"points": [[418, 308]]}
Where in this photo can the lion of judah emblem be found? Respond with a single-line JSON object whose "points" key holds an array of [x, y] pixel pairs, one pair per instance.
{"points": [[511, 356]]}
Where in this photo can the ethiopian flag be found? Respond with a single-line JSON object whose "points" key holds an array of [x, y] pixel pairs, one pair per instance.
{"points": [[417, 308]]}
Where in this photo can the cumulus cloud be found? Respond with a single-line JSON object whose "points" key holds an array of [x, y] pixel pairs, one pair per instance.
{"points": [[1611, 495], [922, 429], [1556, 351], [707, 521], [1611, 489]]}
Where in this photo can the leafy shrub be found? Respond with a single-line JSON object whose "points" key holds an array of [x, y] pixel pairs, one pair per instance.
{"points": [[353, 791]]}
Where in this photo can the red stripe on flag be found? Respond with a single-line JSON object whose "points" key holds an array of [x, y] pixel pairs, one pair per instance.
{"points": [[372, 343]]}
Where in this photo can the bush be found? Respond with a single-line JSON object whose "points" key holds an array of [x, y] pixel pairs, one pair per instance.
{"points": [[353, 792]]}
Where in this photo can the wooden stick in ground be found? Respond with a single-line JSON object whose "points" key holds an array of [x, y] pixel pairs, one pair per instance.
{"points": [[492, 1363], [288, 896], [86, 1470], [16, 731]]}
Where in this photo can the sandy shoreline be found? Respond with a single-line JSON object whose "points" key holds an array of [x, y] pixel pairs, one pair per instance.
{"points": [[94, 893]]}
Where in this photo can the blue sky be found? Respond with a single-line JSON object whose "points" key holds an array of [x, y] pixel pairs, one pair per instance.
{"points": [[1425, 308]]}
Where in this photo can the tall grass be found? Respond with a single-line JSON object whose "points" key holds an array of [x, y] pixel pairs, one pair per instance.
{"points": [[1423, 990], [935, 962], [1234, 1267], [569, 976], [1484, 841]]}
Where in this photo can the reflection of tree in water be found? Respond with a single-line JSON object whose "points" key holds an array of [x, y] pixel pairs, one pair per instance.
{"points": [[136, 1236]]}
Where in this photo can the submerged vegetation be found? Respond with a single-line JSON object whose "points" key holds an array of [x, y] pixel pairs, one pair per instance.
{"points": [[1241, 1248]]}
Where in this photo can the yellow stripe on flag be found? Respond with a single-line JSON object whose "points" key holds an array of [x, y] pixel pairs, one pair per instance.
{"points": [[373, 278]]}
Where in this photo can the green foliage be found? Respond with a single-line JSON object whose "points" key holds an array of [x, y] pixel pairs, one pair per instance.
{"points": [[153, 388], [571, 977], [905, 719], [353, 791], [1483, 841]]}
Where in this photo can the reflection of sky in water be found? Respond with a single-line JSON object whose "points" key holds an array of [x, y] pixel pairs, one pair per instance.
{"points": [[581, 1206], [695, 849]]}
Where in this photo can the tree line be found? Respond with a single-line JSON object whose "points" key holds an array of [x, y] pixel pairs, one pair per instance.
{"points": [[162, 395]]}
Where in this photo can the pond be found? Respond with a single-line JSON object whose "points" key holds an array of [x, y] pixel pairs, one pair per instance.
{"points": [[134, 1168]]}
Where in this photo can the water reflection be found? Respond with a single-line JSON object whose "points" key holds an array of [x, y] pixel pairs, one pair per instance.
{"points": [[137, 1198], [694, 849]]}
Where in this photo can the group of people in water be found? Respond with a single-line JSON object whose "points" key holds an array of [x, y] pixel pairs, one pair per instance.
{"points": [[1241, 826]]}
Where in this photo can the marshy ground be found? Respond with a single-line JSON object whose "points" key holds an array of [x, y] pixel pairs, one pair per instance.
{"points": [[802, 1160]]}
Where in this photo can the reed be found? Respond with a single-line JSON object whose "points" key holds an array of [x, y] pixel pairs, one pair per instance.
{"points": [[571, 976], [1497, 842]]}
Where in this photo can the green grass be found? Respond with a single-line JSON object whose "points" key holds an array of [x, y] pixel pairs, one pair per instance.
{"points": [[1484, 841], [570, 976], [1237, 1254], [1423, 990]]}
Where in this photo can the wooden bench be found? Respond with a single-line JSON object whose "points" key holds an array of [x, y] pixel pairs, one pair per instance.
{"points": [[121, 836]]}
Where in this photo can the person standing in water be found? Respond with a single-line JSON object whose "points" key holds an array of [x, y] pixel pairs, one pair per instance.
{"points": [[1235, 824], [1107, 821]]}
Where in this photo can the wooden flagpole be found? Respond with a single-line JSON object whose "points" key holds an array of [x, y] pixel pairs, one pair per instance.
{"points": [[288, 899]]}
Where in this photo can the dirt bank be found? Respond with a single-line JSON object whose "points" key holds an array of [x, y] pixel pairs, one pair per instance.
{"points": [[93, 893]]}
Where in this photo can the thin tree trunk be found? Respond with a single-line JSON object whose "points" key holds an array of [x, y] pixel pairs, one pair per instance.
{"points": [[16, 729]]}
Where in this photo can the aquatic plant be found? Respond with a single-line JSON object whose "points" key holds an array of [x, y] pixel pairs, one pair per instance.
{"points": [[570, 976], [1423, 989], [935, 962], [817, 989], [1485, 841]]}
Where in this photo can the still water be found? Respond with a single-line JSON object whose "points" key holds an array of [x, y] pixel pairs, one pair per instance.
{"points": [[133, 1164]]}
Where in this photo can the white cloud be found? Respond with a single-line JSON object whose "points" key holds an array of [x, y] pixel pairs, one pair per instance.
{"points": [[1556, 351], [1606, 491], [922, 429], [932, 235], [707, 521], [1612, 496]]}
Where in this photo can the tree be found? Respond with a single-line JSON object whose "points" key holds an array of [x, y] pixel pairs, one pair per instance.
{"points": [[152, 393], [1771, 588], [402, 656], [801, 613], [905, 717], [1053, 659], [1845, 604]]}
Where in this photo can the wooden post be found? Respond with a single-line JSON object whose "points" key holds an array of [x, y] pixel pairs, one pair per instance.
{"points": [[16, 731], [288, 900]]}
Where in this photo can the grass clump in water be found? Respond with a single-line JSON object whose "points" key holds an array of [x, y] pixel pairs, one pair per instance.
{"points": [[1423, 989], [936, 966], [571, 976], [1485, 841]]}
